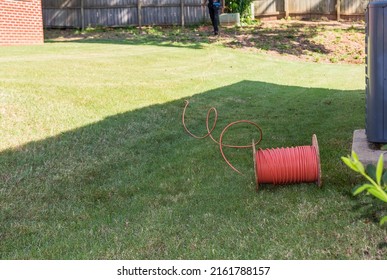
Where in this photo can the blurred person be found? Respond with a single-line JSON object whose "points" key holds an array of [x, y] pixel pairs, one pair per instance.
{"points": [[213, 9]]}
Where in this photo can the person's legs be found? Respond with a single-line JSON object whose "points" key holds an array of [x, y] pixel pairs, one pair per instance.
{"points": [[214, 15], [216, 21]]}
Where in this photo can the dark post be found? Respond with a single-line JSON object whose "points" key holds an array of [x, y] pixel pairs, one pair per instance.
{"points": [[82, 16]]}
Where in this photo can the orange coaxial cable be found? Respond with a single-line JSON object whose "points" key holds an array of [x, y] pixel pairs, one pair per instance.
{"points": [[220, 142], [281, 166]]}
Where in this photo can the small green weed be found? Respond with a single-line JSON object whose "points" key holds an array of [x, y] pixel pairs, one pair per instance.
{"points": [[376, 176]]}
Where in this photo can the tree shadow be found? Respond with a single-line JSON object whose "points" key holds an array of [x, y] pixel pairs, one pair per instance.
{"points": [[154, 35], [289, 38], [103, 183], [293, 42], [292, 38]]}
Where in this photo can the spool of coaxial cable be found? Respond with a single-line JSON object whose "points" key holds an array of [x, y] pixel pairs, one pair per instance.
{"points": [[280, 166]]}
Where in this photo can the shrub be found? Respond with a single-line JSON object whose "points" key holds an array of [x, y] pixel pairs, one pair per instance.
{"points": [[239, 6]]}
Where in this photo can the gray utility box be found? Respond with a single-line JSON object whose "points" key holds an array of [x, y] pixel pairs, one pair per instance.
{"points": [[376, 71]]}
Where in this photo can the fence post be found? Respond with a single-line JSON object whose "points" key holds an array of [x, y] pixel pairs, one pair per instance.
{"points": [[338, 8], [182, 12], [82, 16], [286, 6], [139, 13], [203, 3]]}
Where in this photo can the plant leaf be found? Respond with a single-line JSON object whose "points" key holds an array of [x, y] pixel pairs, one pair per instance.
{"points": [[361, 188], [360, 167], [349, 163], [383, 220], [379, 170], [357, 163], [384, 178], [354, 156], [378, 193], [371, 171]]}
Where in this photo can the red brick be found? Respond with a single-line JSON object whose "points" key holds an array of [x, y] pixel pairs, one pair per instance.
{"points": [[21, 22]]}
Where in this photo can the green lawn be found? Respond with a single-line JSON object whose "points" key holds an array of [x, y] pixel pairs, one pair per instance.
{"points": [[95, 164]]}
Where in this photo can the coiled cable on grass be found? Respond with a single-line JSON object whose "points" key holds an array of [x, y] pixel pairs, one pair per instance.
{"points": [[220, 142]]}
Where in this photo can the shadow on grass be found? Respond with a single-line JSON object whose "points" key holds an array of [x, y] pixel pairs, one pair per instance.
{"points": [[155, 36], [383, 245], [134, 184], [370, 209], [287, 38], [293, 39], [146, 41]]}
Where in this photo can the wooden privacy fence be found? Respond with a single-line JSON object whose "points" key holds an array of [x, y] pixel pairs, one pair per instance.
{"points": [[332, 9], [83, 13]]}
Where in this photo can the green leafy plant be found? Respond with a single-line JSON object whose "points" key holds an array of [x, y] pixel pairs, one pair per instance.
{"points": [[239, 6], [376, 176]]}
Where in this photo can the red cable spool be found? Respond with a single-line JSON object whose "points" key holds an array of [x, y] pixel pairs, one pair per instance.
{"points": [[292, 165]]}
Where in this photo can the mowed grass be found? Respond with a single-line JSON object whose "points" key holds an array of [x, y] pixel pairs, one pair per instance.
{"points": [[95, 163]]}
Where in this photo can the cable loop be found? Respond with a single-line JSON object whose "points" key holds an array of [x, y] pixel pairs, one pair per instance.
{"points": [[220, 142]]}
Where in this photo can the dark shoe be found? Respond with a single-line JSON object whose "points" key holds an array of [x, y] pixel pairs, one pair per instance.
{"points": [[216, 33]]}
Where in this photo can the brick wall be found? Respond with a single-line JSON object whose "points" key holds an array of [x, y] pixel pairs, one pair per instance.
{"points": [[21, 22]]}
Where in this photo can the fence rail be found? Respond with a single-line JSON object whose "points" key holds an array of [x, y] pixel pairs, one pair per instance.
{"points": [[83, 13]]}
